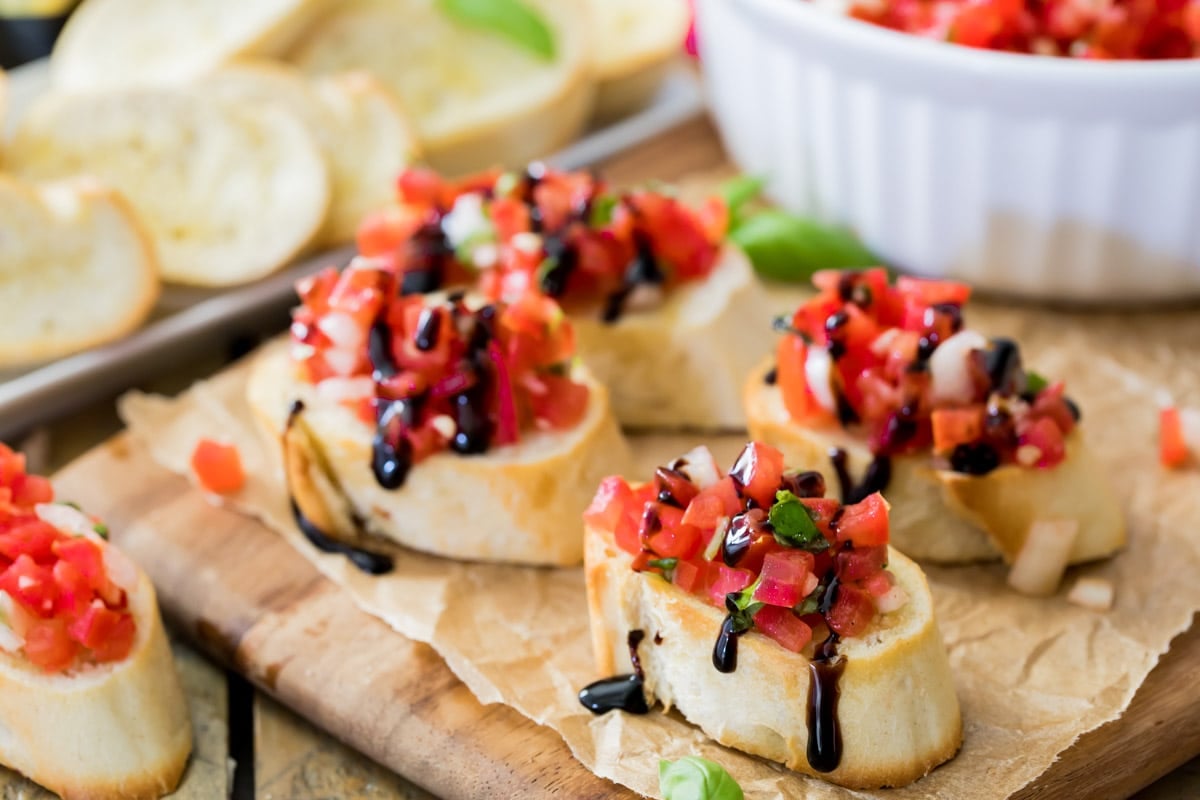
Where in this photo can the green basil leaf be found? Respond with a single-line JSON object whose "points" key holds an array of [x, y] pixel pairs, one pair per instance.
{"points": [[663, 563], [1034, 382], [602, 211], [695, 778], [510, 18], [812, 603], [101, 530], [789, 248], [737, 192], [794, 526]]}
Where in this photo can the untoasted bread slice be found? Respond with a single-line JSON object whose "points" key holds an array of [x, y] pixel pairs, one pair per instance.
{"points": [[943, 516], [116, 44], [897, 708], [477, 99], [106, 731], [77, 269], [357, 121], [680, 365], [634, 43], [229, 193], [507, 505]]}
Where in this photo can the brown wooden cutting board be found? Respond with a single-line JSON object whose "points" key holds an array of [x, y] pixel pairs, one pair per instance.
{"points": [[250, 600]]}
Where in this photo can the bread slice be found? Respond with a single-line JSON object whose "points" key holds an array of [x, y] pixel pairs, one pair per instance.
{"points": [[680, 365], [511, 504], [948, 517], [897, 707], [229, 193], [477, 99], [78, 269], [118, 44], [355, 119], [106, 731], [634, 44]]}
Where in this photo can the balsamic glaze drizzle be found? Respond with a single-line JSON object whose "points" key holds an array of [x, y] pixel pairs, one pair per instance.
{"points": [[370, 562], [824, 729], [875, 479], [618, 693], [725, 651], [633, 640]]}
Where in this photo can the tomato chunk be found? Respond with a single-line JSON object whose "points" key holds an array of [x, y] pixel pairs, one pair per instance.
{"points": [[851, 612], [786, 578], [218, 467], [758, 472], [861, 563], [611, 501], [955, 426], [791, 356], [1172, 447], [726, 580], [864, 524], [784, 627]]}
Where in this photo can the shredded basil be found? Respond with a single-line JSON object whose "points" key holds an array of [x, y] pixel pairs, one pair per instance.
{"points": [[742, 607], [602, 211], [794, 525], [510, 18], [696, 778], [101, 530], [1034, 382]]}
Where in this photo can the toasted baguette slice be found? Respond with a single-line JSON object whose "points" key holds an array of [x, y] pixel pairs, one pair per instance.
{"points": [[511, 504], [948, 517], [634, 43], [117, 44], [477, 99], [897, 708], [107, 731], [679, 365], [77, 269], [356, 120], [229, 193]]}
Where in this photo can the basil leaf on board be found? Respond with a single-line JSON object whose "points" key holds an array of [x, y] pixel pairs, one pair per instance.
{"points": [[794, 526], [788, 248], [737, 192], [511, 18], [696, 778]]}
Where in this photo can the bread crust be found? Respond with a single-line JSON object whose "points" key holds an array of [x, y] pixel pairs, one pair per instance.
{"points": [[512, 504], [947, 517], [680, 365], [110, 731], [104, 218], [630, 65], [898, 710]]}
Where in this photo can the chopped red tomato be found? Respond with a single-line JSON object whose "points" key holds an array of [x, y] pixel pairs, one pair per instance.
{"points": [[790, 359], [107, 633], [49, 646], [864, 524], [851, 612], [611, 502], [727, 580], [862, 563], [218, 467], [955, 426], [758, 472], [1172, 447], [692, 576], [1045, 435], [787, 578], [784, 627], [711, 505]]}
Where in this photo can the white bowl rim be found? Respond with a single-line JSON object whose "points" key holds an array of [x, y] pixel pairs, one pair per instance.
{"points": [[931, 53]]}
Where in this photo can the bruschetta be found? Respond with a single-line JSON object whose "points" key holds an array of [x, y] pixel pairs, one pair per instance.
{"points": [[90, 705], [776, 619], [444, 423], [970, 447], [634, 43], [659, 302]]}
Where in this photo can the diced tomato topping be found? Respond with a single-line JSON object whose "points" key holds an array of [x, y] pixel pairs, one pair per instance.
{"points": [[713, 504], [49, 646], [692, 576], [864, 524], [727, 580], [790, 358], [784, 627], [758, 472], [1172, 447], [612, 501], [669, 536], [218, 467], [861, 563], [955, 426], [1045, 435], [787, 578], [627, 535], [932, 292], [852, 611]]}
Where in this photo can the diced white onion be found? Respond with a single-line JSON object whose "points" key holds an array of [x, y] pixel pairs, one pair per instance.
{"points": [[891, 600], [9, 641], [67, 519], [700, 467], [818, 367], [337, 390], [485, 256], [527, 242], [949, 372], [718, 537], [445, 426], [342, 330], [341, 361], [883, 342], [1039, 566], [466, 221], [1028, 455], [1094, 593]]}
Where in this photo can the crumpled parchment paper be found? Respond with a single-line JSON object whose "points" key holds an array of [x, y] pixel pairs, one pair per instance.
{"points": [[1032, 675]]}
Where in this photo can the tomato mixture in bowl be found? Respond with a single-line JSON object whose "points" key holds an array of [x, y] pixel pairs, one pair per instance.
{"points": [[897, 363], [762, 543], [63, 591], [564, 234], [434, 373]]}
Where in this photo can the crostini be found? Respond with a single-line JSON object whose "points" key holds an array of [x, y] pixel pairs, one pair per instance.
{"points": [[447, 424], [776, 619], [970, 448], [663, 310], [90, 705]]}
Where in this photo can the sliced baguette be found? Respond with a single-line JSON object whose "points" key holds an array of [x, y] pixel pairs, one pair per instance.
{"points": [[107, 731], [511, 504], [634, 43], [477, 99], [948, 517], [118, 44], [680, 365], [77, 269], [229, 193], [356, 120], [897, 707]]}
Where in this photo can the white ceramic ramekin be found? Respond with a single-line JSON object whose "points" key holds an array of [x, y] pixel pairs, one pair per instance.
{"points": [[1046, 178]]}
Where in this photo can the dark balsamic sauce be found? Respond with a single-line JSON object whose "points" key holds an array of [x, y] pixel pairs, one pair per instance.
{"points": [[974, 458], [725, 651], [824, 730], [379, 350], [805, 484], [429, 326], [875, 479], [425, 255], [643, 269], [1002, 362], [369, 562], [771, 377], [619, 693], [633, 640]]}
